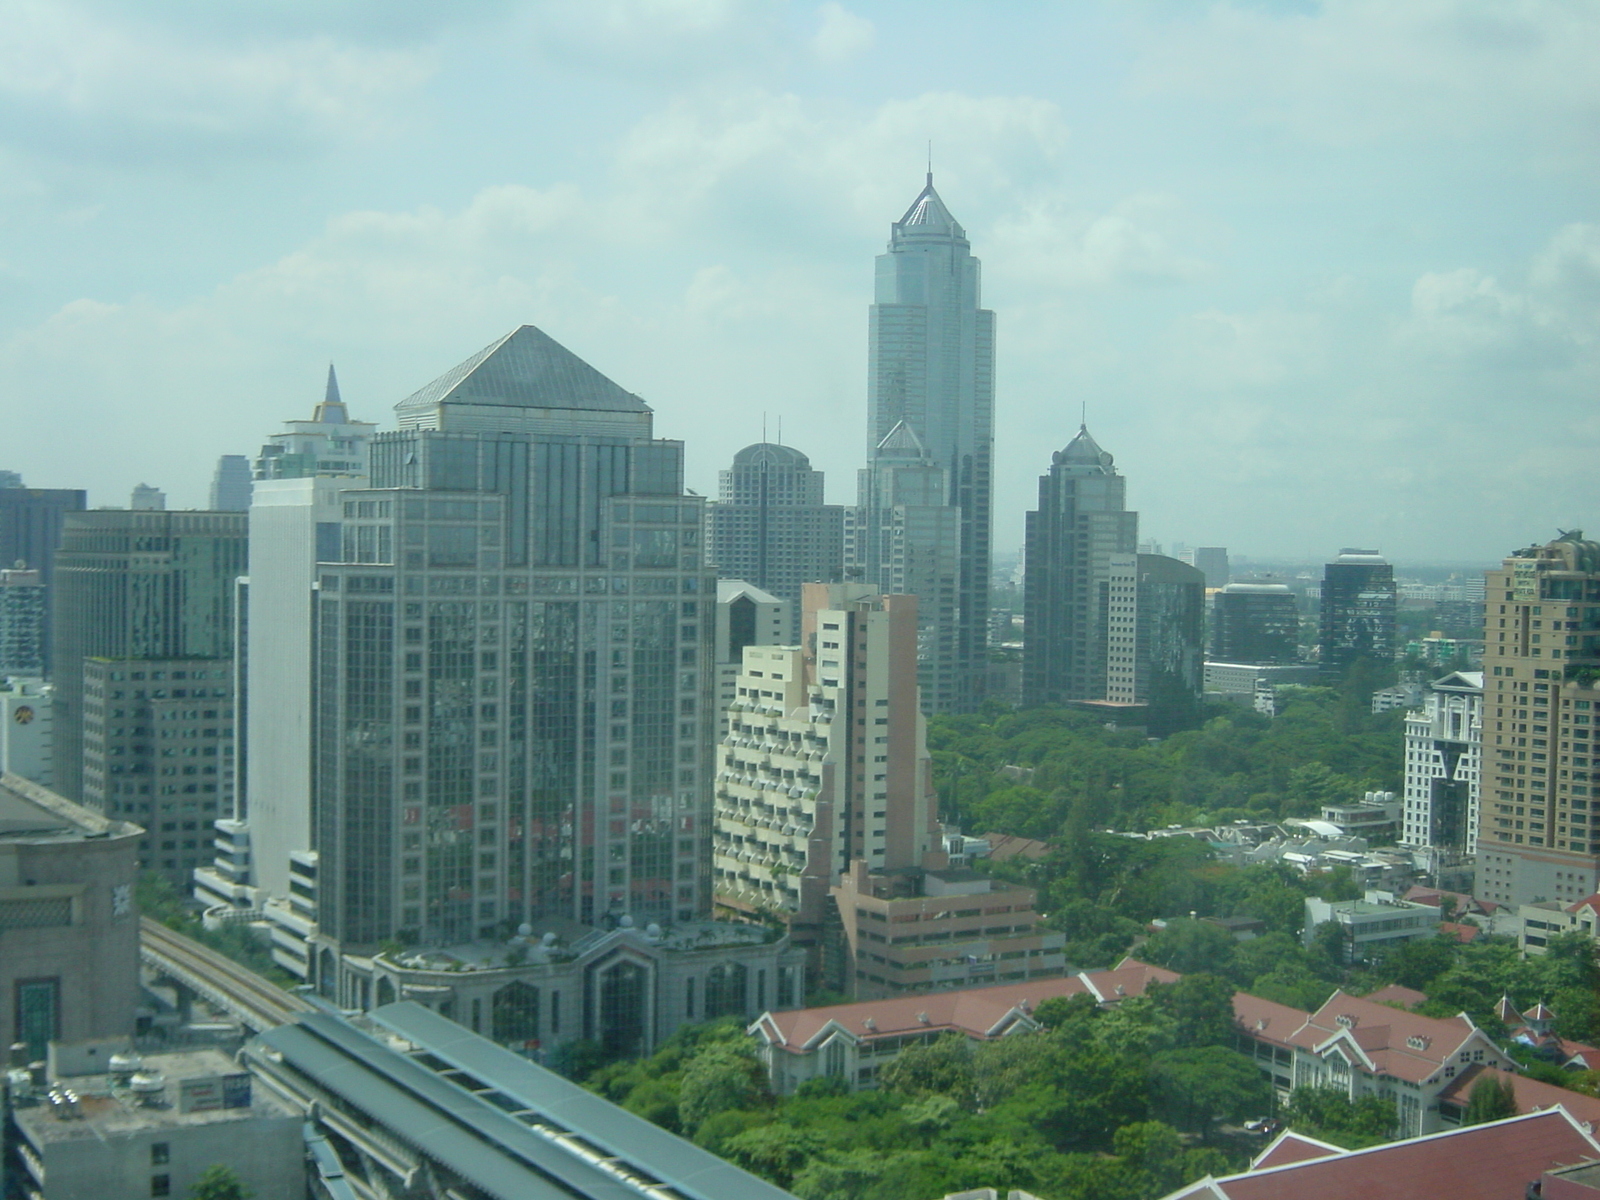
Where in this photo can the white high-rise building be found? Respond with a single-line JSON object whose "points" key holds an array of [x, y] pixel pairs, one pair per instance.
{"points": [[1444, 740], [931, 369]]}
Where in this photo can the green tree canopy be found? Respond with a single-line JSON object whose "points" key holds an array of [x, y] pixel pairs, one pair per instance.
{"points": [[219, 1182], [1492, 1098]]}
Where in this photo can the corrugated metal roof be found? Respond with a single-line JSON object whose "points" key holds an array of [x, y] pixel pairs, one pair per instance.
{"points": [[676, 1162]]}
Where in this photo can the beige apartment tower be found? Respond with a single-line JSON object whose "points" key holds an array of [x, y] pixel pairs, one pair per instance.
{"points": [[1537, 836]]}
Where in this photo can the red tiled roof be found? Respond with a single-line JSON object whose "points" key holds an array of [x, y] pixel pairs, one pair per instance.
{"points": [[976, 1012], [1461, 932], [1397, 1043], [1395, 994], [1292, 1147], [1588, 902], [1267, 1020], [1532, 1095], [1495, 1161]]}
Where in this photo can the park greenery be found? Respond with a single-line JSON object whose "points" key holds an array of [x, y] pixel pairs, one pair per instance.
{"points": [[1129, 1102]]}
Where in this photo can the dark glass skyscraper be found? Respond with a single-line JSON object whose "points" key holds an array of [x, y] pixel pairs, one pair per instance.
{"points": [[513, 717], [931, 366], [1082, 522], [1255, 623], [1358, 609]]}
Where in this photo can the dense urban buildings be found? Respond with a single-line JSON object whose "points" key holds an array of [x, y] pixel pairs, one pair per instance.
{"points": [[746, 616], [138, 585], [1443, 757], [770, 527], [30, 531], [1255, 622], [1541, 660], [1358, 609], [1082, 522], [931, 367], [69, 929]]}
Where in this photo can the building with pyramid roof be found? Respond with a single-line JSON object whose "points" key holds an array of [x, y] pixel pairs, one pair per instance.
{"points": [[931, 370], [513, 709]]}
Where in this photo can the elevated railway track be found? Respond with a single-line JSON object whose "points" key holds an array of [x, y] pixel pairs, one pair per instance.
{"points": [[255, 1002]]}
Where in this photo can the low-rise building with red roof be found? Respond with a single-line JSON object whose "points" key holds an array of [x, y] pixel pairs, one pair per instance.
{"points": [[1364, 1047], [855, 1041], [1532, 1095], [1499, 1160]]}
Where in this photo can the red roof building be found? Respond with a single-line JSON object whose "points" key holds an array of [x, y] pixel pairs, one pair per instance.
{"points": [[1495, 1161], [854, 1041], [1532, 1096]]}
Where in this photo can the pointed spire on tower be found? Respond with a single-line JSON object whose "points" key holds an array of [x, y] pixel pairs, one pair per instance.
{"points": [[332, 410]]}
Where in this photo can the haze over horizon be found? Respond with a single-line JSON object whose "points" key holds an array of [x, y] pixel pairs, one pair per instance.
{"points": [[1324, 275]]}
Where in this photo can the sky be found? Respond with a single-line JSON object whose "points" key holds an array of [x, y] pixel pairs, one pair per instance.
{"points": [[1320, 275]]}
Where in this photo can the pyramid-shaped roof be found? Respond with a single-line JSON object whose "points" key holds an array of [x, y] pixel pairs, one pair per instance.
{"points": [[928, 214], [525, 369], [1083, 451], [902, 442]]}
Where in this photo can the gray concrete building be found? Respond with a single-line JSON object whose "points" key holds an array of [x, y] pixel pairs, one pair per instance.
{"points": [[30, 531], [69, 929]]}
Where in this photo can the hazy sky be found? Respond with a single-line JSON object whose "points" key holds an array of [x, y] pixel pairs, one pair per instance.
{"points": [[1323, 274]]}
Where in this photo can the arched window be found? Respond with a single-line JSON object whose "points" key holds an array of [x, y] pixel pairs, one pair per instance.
{"points": [[514, 1018]]}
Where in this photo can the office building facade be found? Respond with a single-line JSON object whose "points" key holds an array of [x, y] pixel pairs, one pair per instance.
{"points": [[1359, 605], [904, 539], [1155, 640], [30, 532], [1081, 523], [1255, 622], [230, 484], [1444, 742], [137, 585], [1537, 836], [512, 683], [770, 527], [931, 367], [22, 623]]}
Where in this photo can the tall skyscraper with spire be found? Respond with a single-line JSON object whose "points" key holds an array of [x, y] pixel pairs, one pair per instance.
{"points": [[931, 369]]}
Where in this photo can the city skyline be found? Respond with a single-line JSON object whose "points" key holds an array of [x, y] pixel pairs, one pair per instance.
{"points": [[1293, 307]]}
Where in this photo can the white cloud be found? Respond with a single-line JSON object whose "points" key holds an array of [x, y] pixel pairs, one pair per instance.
{"points": [[843, 35], [1353, 70], [1143, 239], [76, 82]]}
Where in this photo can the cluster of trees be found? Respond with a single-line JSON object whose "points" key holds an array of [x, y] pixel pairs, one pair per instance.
{"points": [[160, 901], [1126, 1102], [1074, 775]]}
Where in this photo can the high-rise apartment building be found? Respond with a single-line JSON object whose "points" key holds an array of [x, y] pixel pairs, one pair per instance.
{"points": [[1537, 834], [824, 759], [904, 539], [22, 623], [1444, 741], [1082, 522], [770, 526], [230, 484], [330, 443], [746, 616], [136, 585], [1358, 609], [1256, 623], [512, 675], [931, 367], [30, 531]]}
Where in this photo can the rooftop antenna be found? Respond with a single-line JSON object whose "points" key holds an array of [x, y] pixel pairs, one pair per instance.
{"points": [[930, 162], [763, 426], [780, 429], [1083, 413]]}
